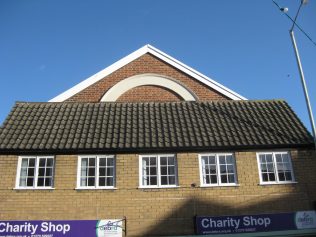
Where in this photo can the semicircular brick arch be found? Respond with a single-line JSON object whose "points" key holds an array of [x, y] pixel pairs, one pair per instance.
{"points": [[145, 80]]}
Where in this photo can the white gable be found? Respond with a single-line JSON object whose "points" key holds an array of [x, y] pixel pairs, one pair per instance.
{"points": [[162, 56]]}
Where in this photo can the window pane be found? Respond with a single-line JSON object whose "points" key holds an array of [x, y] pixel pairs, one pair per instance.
{"points": [[171, 161], [109, 181], [83, 181], [163, 160], [153, 171], [23, 172], [213, 179], [41, 172], [278, 157], [222, 160], [212, 169], [91, 161], [231, 178], [101, 182], [269, 158], [31, 171], [230, 168], [30, 182], [40, 182], [91, 181], [172, 180], [42, 162], [84, 162], [288, 176], [270, 167], [171, 170], [153, 180], [110, 162], [101, 171], [109, 171], [91, 172], [102, 162], [50, 162], [224, 178], [262, 158], [265, 177], [164, 180], [49, 171], [24, 162], [32, 162], [48, 182], [212, 160], [271, 177], [223, 169], [281, 176], [163, 171], [22, 182], [229, 159], [153, 161]]}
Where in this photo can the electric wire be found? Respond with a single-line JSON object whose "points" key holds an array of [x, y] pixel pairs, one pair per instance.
{"points": [[294, 23]]}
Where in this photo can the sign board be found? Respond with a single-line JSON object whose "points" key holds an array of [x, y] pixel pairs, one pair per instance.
{"points": [[64, 228], [208, 225]]}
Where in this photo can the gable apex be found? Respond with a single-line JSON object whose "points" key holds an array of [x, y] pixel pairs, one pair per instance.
{"points": [[138, 53]]}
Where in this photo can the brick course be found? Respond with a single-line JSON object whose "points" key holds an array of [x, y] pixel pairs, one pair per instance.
{"points": [[157, 211], [146, 64]]}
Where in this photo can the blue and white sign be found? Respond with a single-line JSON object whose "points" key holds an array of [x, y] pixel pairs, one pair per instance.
{"points": [[62, 228], [255, 223]]}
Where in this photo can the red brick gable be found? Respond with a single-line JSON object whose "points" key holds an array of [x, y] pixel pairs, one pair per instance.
{"points": [[145, 64]]}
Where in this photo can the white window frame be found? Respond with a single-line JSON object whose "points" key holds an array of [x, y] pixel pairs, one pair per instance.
{"points": [[35, 183], [277, 181], [219, 183], [159, 185], [96, 186]]}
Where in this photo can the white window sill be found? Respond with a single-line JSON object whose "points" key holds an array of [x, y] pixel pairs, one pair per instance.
{"points": [[94, 188], [157, 187], [219, 186], [275, 183], [44, 188]]}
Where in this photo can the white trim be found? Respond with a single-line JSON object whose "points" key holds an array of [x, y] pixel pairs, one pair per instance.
{"points": [[147, 79], [136, 54], [140, 173], [218, 174], [96, 186], [277, 181]]}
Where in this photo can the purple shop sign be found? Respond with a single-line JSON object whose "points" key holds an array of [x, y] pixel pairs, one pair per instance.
{"points": [[207, 225], [67, 228]]}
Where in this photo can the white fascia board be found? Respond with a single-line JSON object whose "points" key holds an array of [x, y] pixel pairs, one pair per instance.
{"points": [[136, 54], [195, 74]]}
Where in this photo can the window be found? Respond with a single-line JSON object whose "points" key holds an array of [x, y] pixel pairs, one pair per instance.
{"points": [[158, 171], [217, 170], [275, 167], [96, 172], [35, 172]]}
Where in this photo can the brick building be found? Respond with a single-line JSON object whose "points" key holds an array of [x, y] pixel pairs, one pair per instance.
{"points": [[155, 142]]}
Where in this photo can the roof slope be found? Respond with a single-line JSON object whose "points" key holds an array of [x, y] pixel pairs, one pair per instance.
{"points": [[138, 53], [141, 127]]}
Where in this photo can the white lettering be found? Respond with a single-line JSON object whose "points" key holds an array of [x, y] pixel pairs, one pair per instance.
{"points": [[2, 230], [50, 227], [204, 223], [252, 221]]}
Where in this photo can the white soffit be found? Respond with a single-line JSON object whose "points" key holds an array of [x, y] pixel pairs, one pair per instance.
{"points": [[136, 54]]}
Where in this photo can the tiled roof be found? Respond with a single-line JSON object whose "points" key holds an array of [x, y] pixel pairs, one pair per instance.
{"points": [[149, 127]]}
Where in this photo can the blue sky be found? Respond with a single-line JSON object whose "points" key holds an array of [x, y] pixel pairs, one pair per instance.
{"points": [[46, 47]]}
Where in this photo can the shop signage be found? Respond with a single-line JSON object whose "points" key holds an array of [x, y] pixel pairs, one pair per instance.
{"points": [[72, 228], [255, 223]]}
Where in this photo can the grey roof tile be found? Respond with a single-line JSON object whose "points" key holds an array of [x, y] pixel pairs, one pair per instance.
{"points": [[128, 127]]}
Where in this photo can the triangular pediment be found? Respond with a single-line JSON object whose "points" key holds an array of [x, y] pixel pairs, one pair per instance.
{"points": [[158, 55]]}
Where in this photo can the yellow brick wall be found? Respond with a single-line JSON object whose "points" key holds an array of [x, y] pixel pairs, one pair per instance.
{"points": [[157, 211]]}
